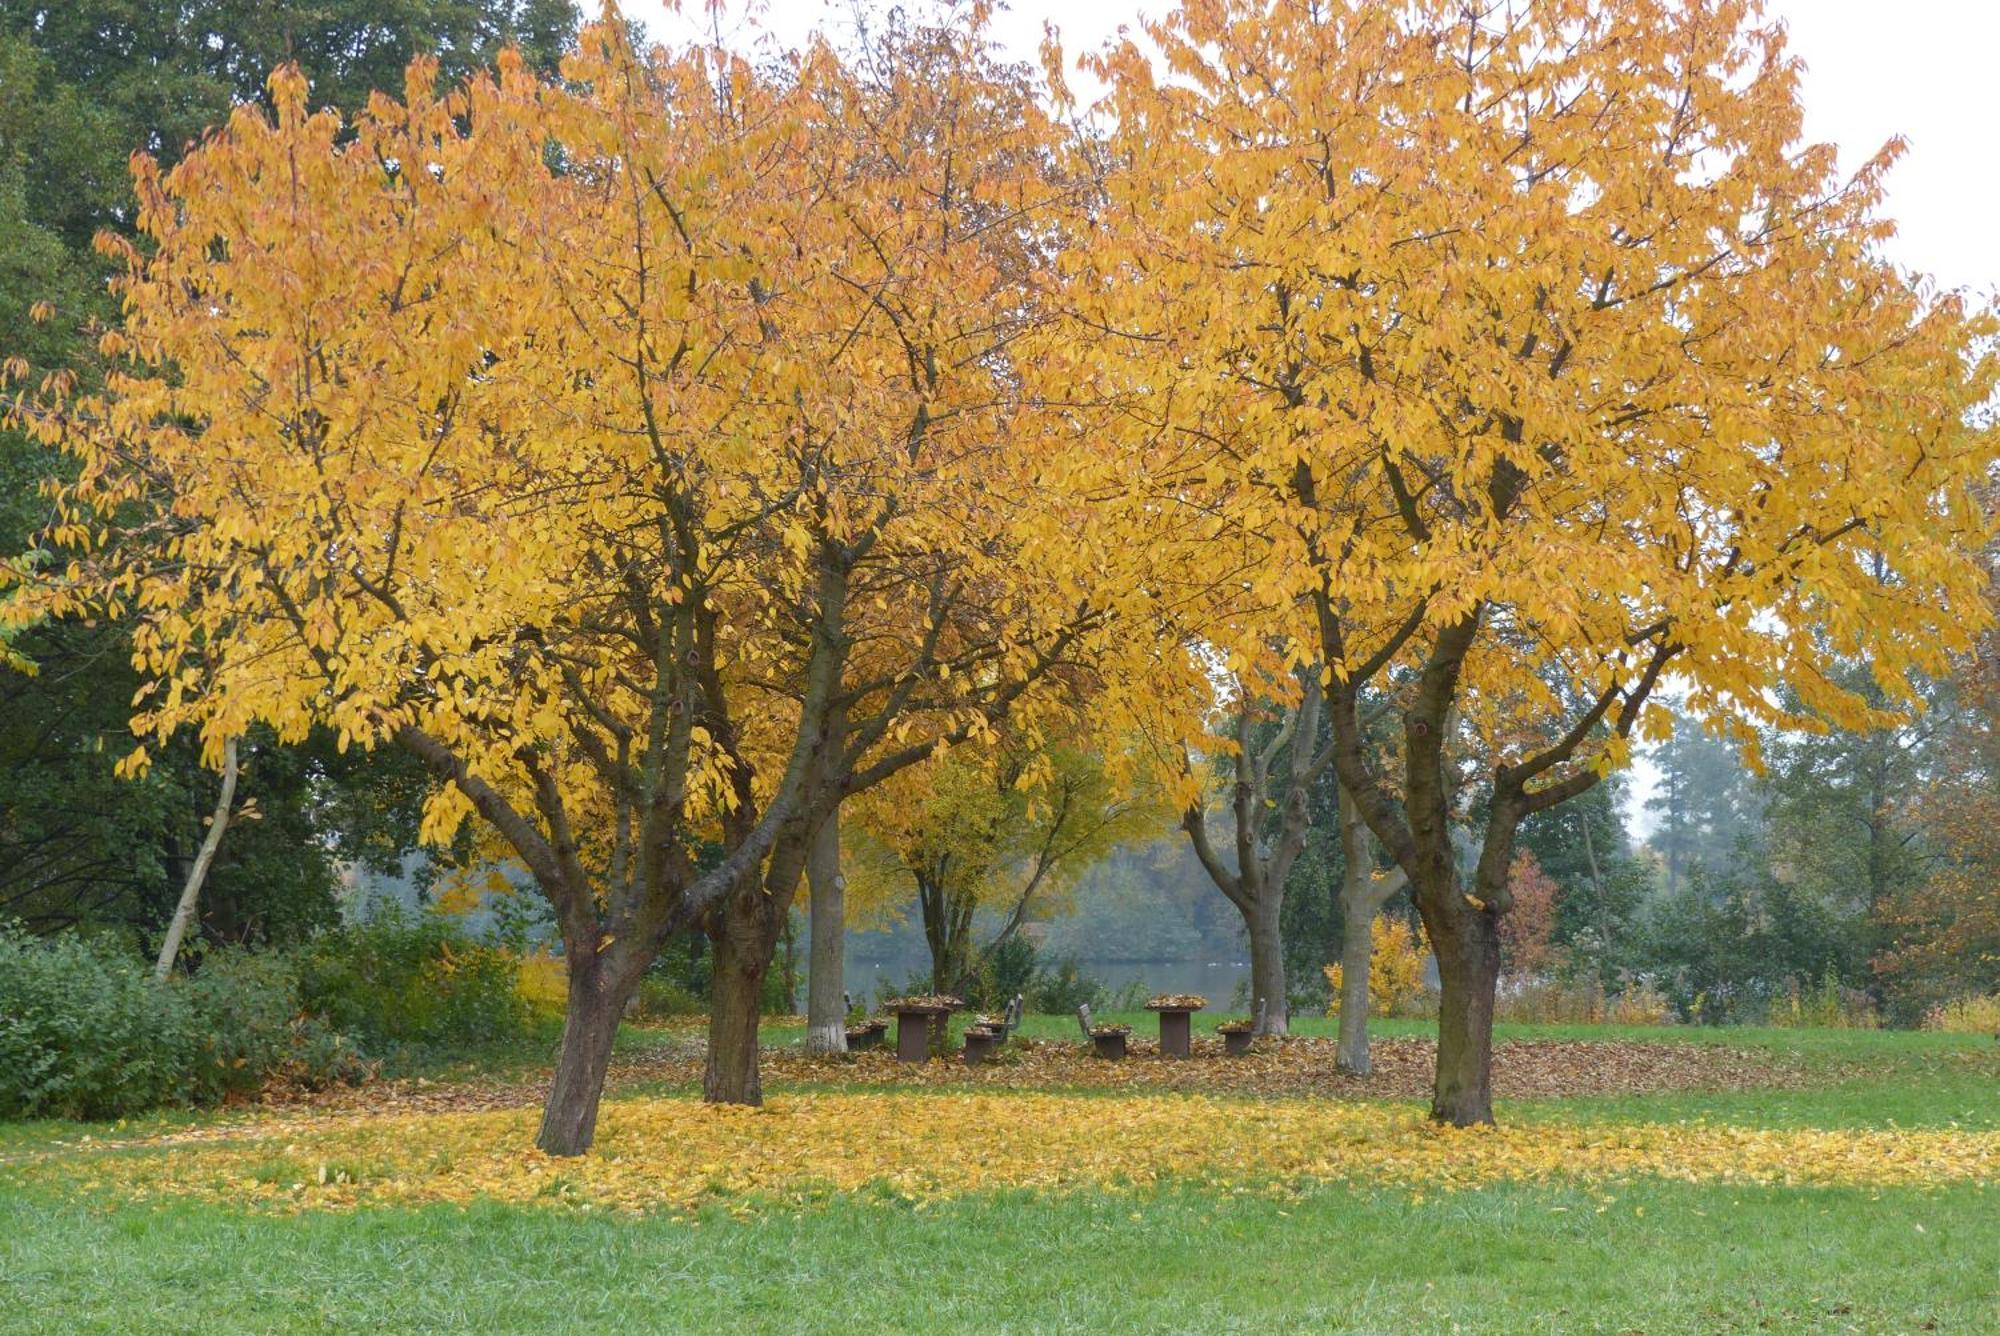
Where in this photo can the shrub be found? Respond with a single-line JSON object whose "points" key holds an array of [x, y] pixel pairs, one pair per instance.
{"points": [[542, 980], [1549, 1002], [1395, 970], [1967, 1015], [1063, 989], [250, 1032], [403, 982], [1639, 1004], [1007, 969], [660, 998], [1824, 1005], [85, 1032]]}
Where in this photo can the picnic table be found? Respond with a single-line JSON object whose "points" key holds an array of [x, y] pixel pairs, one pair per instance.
{"points": [[921, 1023]]}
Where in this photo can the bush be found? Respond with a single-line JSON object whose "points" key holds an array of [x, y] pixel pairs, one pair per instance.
{"points": [[1549, 1002], [250, 1032], [1395, 970], [1063, 990], [1823, 1006], [413, 982], [1968, 1015], [660, 998], [85, 1032], [542, 980], [1007, 969]]}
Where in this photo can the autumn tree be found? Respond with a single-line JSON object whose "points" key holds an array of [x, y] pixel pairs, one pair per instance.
{"points": [[82, 83], [1941, 930], [1000, 832], [642, 451], [1265, 772], [1519, 356], [1527, 933]]}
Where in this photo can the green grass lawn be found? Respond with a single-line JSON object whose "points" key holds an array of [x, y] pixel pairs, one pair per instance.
{"points": [[1644, 1255], [1653, 1257]]}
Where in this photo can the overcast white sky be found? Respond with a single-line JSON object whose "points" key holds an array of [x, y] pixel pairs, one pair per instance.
{"points": [[1923, 69]]}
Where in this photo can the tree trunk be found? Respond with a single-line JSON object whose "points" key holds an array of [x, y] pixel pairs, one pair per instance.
{"points": [[788, 964], [826, 998], [590, 1025], [1267, 964], [947, 917], [191, 892], [744, 945], [1362, 895], [1601, 910], [1467, 944], [1357, 955]]}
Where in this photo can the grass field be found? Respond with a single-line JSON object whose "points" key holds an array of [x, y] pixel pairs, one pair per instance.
{"points": [[1855, 1191]]}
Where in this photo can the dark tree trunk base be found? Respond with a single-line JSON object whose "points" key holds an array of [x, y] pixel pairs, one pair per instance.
{"points": [[1468, 956], [590, 1025], [742, 958]]}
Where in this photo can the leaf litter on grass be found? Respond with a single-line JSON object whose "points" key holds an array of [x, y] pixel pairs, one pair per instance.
{"points": [[677, 1154], [1291, 1067]]}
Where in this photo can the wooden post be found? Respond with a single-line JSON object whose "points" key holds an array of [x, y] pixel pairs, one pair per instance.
{"points": [[913, 1036]]}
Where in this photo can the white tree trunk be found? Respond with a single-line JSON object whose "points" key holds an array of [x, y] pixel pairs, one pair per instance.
{"points": [[1357, 952], [191, 893], [1362, 895], [826, 998]]}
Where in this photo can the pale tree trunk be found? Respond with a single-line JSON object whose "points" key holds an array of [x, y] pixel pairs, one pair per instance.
{"points": [[1362, 895], [1256, 885], [191, 891], [826, 999], [1357, 953]]}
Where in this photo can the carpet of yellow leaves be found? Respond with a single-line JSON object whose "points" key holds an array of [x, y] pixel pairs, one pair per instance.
{"points": [[677, 1154]]}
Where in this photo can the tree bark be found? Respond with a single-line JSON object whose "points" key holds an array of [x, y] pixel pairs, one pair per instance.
{"points": [[1357, 954], [1267, 965], [1467, 945], [947, 916], [826, 997], [191, 891], [1362, 895], [744, 945], [1256, 885], [597, 997]]}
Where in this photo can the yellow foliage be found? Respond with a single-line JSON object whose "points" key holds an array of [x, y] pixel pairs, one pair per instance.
{"points": [[590, 437], [1395, 970], [542, 980], [677, 1154], [1526, 346], [1007, 827], [1968, 1015]]}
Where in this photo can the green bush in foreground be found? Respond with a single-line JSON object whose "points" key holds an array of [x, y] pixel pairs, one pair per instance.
{"points": [[87, 1032]]}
